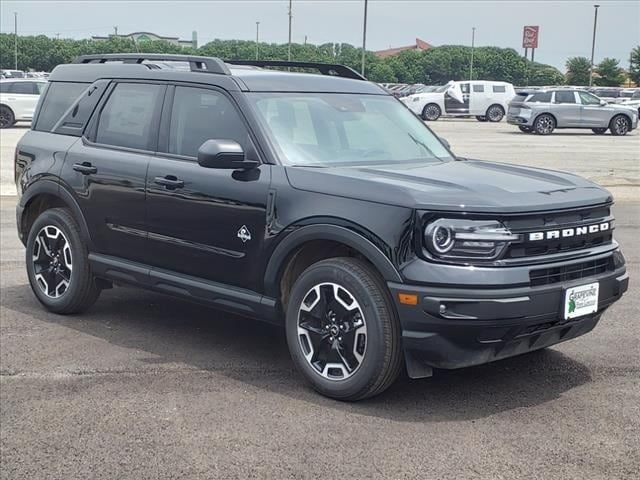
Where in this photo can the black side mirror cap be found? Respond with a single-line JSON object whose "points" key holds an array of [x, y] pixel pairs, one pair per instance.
{"points": [[224, 154]]}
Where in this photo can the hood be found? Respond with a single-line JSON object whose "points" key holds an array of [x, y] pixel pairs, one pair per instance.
{"points": [[466, 185]]}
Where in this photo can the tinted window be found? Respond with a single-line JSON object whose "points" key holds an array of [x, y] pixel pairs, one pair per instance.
{"points": [[499, 89], [464, 87], [543, 97], [199, 115], [5, 86], [27, 88], [58, 99], [563, 96], [478, 88], [588, 99], [127, 117]]}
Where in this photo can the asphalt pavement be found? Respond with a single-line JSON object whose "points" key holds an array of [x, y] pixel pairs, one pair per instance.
{"points": [[144, 386]]}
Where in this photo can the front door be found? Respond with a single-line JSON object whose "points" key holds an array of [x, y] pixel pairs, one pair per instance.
{"points": [[592, 113], [205, 222], [107, 168], [456, 99]]}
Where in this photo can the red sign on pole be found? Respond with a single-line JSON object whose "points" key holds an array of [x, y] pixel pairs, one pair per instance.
{"points": [[530, 36]]}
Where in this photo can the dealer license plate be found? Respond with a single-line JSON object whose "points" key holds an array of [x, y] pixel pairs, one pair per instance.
{"points": [[581, 300]]}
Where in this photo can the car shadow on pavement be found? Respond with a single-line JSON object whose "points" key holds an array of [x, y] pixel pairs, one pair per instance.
{"points": [[175, 331]]}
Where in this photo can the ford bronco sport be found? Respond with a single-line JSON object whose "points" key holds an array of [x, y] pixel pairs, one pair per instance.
{"points": [[317, 202]]}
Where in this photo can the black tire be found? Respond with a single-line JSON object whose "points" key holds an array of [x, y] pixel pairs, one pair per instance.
{"points": [[381, 354], [495, 113], [81, 291], [545, 124], [599, 131], [620, 125], [525, 129], [481, 118], [7, 118], [431, 112]]}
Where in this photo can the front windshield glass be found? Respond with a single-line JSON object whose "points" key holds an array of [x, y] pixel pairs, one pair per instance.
{"points": [[329, 129]]}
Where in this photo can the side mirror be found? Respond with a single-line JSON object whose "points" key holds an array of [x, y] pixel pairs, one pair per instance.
{"points": [[603, 103], [445, 142], [224, 154]]}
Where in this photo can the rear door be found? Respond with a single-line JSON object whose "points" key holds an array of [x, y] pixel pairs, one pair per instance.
{"points": [[106, 168], [592, 113], [478, 98], [204, 222], [566, 108]]}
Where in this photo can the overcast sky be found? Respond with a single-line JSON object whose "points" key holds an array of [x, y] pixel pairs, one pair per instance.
{"points": [[565, 26]]}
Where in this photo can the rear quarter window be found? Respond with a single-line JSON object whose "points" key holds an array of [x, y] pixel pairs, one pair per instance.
{"points": [[499, 89], [544, 97], [59, 97]]}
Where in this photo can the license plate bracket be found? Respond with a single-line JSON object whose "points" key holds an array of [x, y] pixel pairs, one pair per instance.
{"points": [[581, 300]]}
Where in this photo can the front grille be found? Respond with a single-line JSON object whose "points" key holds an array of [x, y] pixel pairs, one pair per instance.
{"points": [[548, 276]]}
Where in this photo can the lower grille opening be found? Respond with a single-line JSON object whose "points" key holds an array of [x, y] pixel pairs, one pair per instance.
{"points": [[547, 276]]}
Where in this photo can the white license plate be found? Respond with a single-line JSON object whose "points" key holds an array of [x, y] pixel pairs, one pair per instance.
{"points": [[581, 300]]}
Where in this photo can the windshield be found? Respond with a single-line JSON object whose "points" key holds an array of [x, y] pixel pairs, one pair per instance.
{"points": [[328, 129]]}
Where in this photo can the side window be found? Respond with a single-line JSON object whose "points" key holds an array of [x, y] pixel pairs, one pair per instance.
{"points": [[464, 87], [5, 87], [199, 115], [59, 97], [564, 96], [127, 118], [27, 88], [478, 88], [542, 97], [499, 89], [588, 99]]}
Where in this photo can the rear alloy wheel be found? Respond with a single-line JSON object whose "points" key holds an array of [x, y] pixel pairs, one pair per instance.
{"points": [[431, 112], [599, 131], [495, 113], [7, 119], [481, 118], [545, 124], [525, 129], [620, 125], [342, 330]]}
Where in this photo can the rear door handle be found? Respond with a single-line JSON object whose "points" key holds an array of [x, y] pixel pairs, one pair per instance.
{"points": [[169, 181], [85, 168]]}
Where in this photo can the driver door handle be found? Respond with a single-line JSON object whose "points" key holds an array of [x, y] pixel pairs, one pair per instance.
{"points": [[85, 168], [169, 181]]}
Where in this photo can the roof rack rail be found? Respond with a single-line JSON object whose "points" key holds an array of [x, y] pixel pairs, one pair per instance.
{"points": [[324, 68], [196, 63]]}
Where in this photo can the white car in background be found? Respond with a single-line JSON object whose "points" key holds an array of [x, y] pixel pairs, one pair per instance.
{"points": [[486, 100], [18, 99]]}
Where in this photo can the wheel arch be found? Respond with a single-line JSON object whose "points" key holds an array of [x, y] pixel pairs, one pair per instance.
{"points": [[499, 105], [555, 119], [318, 242], [45, 195]]}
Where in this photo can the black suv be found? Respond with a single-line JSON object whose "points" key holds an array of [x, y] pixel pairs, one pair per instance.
{"points": [[317, 202]]}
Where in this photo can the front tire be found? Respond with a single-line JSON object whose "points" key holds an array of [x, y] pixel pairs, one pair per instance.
{"points": [[495, 113], [619, 125], [58, 264], [342, 330], [7, 118], [431, 112], [545, 124]]}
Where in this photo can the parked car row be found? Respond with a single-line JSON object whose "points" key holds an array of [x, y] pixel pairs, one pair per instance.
{"points": [[542, 111]]}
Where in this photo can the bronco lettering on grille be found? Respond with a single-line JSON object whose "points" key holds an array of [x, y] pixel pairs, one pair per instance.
{"points": [[569, 232]]}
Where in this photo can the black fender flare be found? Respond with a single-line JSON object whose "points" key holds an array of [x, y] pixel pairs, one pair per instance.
{"points": [[331, 233], [50, 187]]}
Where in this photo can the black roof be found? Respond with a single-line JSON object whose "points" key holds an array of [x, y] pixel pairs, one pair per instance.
{"points": [[234, 75]]}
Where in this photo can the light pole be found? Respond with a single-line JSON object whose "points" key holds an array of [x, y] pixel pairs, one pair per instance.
{"points": [[364, 36], [593, 42], [257, 39], [473, 44], [15, 40], [290, 15]]}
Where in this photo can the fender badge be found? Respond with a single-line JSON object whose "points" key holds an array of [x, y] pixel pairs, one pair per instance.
{"points": [[244, 234]]}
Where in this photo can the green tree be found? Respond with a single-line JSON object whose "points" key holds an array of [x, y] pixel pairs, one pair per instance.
{"points": [[578, 71], [609, 73], [634, 67]]}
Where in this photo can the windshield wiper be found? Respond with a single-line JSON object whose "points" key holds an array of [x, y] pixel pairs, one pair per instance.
{"points": [[421, 144]]}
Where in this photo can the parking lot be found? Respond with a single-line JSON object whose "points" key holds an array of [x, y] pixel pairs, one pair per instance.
{"points": [[146, 386]]}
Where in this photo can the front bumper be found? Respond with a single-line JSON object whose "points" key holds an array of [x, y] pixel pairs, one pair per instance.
{"points": [[461, 326]]}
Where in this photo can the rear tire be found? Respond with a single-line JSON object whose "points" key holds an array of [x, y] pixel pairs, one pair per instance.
{"points": [[342, 330], [431, 112], [58, 264], [599, 131], [525, 129], [619, 125], [7, 118], [545, 124], [495, 113]]}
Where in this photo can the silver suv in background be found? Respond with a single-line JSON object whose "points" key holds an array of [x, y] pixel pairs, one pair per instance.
{"points": [[543, 111]]}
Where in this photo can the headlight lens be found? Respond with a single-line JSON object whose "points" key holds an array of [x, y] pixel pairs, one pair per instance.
{"points": [[467, 239]]}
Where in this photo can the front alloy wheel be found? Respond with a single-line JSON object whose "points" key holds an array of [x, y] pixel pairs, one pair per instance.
{"points": [[620, 125], [332, 331], [52, 261]]}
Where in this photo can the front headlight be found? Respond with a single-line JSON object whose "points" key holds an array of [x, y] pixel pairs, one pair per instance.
{"points": [[467, 239]]}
